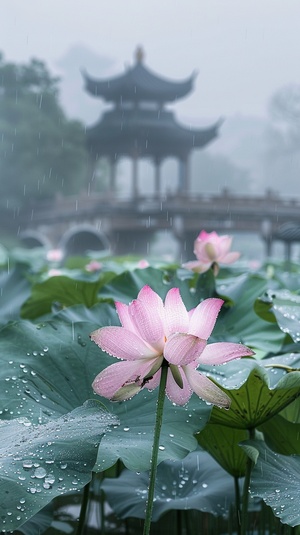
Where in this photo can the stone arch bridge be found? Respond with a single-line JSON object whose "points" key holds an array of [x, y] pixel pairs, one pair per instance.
{"points": [[126, 226]]}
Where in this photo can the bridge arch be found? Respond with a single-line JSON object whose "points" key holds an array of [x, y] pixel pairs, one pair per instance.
{"points": [[82, 238], [34, 238]]}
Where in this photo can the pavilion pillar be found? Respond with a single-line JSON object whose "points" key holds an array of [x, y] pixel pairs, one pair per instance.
{"points": [[112, 174], [135, 176], [184, 178], [157, 184]]}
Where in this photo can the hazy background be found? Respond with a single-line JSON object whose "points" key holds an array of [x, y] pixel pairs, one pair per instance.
{"points": [[244, 52]]}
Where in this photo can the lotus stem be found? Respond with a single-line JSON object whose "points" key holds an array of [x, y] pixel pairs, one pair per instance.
{"points": [[237, 504], [155, 447], [83, 509], [245, 500]]}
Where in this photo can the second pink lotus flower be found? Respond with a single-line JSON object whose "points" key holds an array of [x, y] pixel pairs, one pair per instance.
{"points": [[153, 334], [211, 250]]}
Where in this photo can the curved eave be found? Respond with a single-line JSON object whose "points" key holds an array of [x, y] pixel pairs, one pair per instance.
{"points": [[148, 139], [138, 83]]}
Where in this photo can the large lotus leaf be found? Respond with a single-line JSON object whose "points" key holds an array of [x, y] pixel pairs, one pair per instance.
{"points": [[284, 307], [39, 462], [246, 285], [197, 482], [140, 432], [282, 432], [34, 259], [62, 291], [38, 523], [241, 323], [126, 286], [99, 315], [132, 440], [276, 479], [14, 290], [222, 442], [292, 412], [282, 435], [258, 389], [3, 255], [288, 280], [47, 370]]}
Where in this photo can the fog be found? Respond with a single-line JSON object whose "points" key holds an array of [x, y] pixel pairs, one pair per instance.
{"points": [[245, 54]]}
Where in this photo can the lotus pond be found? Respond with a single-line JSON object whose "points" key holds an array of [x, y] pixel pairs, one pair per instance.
{"points": [[75, 462]]}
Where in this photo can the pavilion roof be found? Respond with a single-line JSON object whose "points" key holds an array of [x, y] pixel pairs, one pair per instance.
{"points": [[138, 83], [146, 134]]}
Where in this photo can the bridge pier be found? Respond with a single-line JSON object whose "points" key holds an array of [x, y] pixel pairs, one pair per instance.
{"points": [[186, 244], [112, 173], [135, 188], [157, 164], [125, 242]]}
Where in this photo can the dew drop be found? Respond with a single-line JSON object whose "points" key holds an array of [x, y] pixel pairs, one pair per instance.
{"points": [[27, 465], [40, 472]]}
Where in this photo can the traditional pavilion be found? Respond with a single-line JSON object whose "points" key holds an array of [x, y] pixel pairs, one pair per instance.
{"points": [[139, 126]]}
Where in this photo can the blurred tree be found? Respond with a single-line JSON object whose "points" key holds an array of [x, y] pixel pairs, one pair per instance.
{"points": [[42, 152], [282, 157]]}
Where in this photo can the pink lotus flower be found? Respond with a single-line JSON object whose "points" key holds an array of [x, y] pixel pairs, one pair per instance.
{"points": [[93, 265], [143, 263], [154, 334], [55, 255], [211, 250]]}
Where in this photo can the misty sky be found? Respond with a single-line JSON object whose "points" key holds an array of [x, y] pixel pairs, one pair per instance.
{"points": [[243, 50]]}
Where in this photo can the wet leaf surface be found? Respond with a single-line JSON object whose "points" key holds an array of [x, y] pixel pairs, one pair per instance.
{"points": [[258, 389], [276, 479], [197, 482], [39, 462]]}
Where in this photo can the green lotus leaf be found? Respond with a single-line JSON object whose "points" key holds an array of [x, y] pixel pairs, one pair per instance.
{"points": [[282, 432], [132, 440], [196, 482], [241, 323], [47, 370], [222, 442], [3, 255], [193, 289], [281, 435], [258, 389], [292, 412], [276, 479], [288, 279], [15, 289], [39, 462], [38, 524], [34, 258], [63, 291], [285, 308], [98, 315]]}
